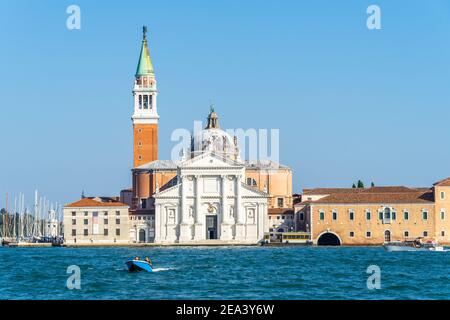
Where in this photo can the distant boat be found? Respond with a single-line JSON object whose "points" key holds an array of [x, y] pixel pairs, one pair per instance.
{"points": [[412, 245], [139, 265]]}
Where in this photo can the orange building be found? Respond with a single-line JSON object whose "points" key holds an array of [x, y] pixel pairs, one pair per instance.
{"points": [[372, 216]]}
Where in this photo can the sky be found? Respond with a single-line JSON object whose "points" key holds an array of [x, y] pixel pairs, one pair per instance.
{"points": [[350, 103]]}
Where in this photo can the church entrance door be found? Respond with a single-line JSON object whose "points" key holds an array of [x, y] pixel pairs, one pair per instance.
{"points": [[142, 235], [211, 227]]}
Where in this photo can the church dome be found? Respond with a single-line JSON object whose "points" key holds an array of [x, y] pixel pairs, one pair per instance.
{"points": [[212, 138]]}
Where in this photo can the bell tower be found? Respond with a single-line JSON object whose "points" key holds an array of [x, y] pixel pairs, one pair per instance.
{"points": [[145, 116]]}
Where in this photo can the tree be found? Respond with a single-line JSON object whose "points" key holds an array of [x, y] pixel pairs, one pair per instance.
{"points": [[354, 186], [360, 184], [372, 184]]}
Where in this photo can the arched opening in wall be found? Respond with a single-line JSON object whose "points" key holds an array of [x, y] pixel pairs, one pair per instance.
{"points": [[142, 235], [328, 239], [387, 236]]}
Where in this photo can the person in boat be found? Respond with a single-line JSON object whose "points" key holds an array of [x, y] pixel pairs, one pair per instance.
{"points": [[137, 258], [147, 259], [417, 243]]}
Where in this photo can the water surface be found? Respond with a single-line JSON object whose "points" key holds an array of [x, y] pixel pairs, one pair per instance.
{"points": [[224, 273]]}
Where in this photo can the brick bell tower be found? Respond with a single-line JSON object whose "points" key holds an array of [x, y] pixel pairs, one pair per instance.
{"points": [[145, 116]]}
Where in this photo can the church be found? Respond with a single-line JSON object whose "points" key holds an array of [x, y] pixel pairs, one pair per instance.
{"points": [[211, 195]]}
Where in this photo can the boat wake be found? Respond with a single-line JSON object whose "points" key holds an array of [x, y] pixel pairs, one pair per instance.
{"points": [[162, 269]]}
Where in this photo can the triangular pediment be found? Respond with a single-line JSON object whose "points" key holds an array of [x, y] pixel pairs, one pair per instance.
{"points": [[210, 159], [169, 193], [248, 191]]}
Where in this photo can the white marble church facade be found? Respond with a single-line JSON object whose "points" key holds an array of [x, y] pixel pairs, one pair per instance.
{"points": [[210, 202]]}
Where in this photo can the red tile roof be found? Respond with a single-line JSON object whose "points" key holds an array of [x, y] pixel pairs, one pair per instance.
{"points": [[86, 202], [443, 183], [323, 191], [280, 211], [412, 196]]}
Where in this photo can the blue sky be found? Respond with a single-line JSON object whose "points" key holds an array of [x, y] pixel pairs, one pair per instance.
{"points": [[350, 103]]}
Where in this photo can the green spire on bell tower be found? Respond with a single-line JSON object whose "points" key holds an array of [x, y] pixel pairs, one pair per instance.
{"points": [[145, 67]]}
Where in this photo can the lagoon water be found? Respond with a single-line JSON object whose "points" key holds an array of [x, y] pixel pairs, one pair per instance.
{"points": [[224, 273]]}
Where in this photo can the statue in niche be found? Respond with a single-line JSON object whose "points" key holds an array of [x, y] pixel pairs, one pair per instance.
{"points": [[231, 212]]}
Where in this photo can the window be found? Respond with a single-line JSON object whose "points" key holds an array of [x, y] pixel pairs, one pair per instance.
{"points": [[251, 182], [406, 234], [334, 215], [117, 221], [283, 217], [278, 217], [145, 102], [302, 216], [140, 102], [405, 215], [86, 221], [351, 234], [74, 222], [144, 203], [105, 213], [380, 215], [105, 232], [74, 213], [442, 214], [351, 215], [140, 143], [280, 202], [442, 233], [86, 213], [105, 221], [387, 236], [368, 234], [321, 215], [425, 215], [117, 232], [425, 233], [74, 232], [151, 101], [387, 214], [368, 215], [117, 213], [394, 215], [86, 232], [442, 195]]}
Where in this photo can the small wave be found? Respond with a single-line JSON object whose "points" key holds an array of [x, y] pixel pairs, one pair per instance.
{"points": [[162, 269]]}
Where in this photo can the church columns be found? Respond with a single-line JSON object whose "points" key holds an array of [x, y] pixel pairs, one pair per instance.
{"points": [[240, 226], [199, 232], [185, 231], [226, 232], [183, 207], [239, 213], [197, 199], [224, 215], [260, 221]]}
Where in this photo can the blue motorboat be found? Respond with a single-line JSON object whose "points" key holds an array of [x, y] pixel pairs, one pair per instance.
{"points": [[139, 265]]}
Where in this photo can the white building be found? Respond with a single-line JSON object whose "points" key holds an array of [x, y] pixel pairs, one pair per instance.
{"points": [[96, 221], [210, 200]]}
